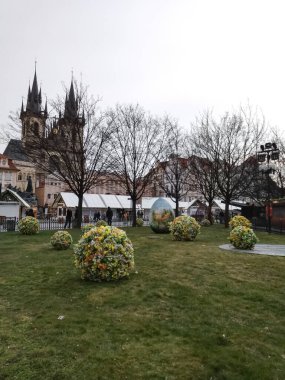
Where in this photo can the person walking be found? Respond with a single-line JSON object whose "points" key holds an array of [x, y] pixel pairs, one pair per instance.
{"points": [[68, 218], [109, 216]]}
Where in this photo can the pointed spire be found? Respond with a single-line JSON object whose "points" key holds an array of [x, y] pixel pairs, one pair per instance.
{"points": [[70, 111], [46, 110], [40, 96]]}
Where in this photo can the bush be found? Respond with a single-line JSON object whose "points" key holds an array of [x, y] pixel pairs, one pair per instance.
{"points": [[104, 254], [101, 223], [28, 226], [239, 220], [184, 228], [139, 222], [86, 228], [61, 240], [205, 223], [243, 237]]}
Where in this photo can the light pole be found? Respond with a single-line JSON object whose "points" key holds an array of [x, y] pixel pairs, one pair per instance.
{"points": [[268, 152]]}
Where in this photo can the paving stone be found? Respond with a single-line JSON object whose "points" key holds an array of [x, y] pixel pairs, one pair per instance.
{"points": [[259, 249]]}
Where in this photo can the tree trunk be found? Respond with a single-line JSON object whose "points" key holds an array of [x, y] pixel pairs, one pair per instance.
{"points": [[227, 216], [134, 213], [176, 207], [209, 212], [79, 211]]}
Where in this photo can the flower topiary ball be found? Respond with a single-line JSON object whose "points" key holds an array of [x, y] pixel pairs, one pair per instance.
{"points": [[140, 222], [28, 226], [184, 228], [61, 240], [86, 228], [104, 254], [101, 222], [239, 220], [205, 223], [243, 237]]}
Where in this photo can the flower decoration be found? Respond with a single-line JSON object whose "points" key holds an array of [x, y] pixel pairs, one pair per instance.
{"points": [[86, 228], [101, 223], [29, 226], [61, 240], [160, 220], [239, 220], [139, 222], [184, 228], [243, 237], [104, 254], [205, 223]]}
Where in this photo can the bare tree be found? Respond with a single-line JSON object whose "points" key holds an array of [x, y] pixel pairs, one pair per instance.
{"points": [[73, 146], [229, 143], [173, 173], [202, 164], [136, 145]]}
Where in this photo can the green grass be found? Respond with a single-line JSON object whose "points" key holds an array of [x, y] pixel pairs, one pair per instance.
{"points": [[190, 311]]}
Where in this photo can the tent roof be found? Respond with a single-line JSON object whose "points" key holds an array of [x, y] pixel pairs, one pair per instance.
{"points": [[19, 198]]}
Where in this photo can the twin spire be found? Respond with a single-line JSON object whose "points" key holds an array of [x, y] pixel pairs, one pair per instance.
{"points": [[34, 102]]}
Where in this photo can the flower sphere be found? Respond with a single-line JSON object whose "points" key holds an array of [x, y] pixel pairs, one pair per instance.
{"points": [[101, 222], [29, 225], [184, 228], [161, 214], [86, 228], [239, 220], [243, 237], [61, 240], [104, 254]]}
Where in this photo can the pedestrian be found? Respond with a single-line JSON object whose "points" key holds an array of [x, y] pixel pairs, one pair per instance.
{"points": [[109, 215], [68, 218], [30, 212]]}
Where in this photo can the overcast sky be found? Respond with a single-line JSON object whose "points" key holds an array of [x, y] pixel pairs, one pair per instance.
{"points": [[171, 56]]}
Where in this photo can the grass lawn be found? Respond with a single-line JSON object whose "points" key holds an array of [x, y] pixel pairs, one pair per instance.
{"points": [[189, 311]]}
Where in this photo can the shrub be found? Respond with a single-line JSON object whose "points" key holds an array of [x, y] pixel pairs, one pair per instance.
{"points": [[104, 254], [160, 220], [29, 226], [184, 228], [61, 240], [239, 220], [139, 222], [86, 228], [243, 237], [205, 223], [101, 223]]}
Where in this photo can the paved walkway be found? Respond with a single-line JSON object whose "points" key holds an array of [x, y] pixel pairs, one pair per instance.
{"points": [[259, 249]]}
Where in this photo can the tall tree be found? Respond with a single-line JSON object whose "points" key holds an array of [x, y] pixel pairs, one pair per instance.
{"points": [[73, 146], [173, 173], [202, 163], [136, 145], [229, 143]]}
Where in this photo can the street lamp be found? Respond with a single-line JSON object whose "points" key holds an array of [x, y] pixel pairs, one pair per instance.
{"points": [[268, 152]]}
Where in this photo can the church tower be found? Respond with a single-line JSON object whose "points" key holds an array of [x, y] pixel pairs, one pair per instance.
{"points": [[33, 117], [69, 127]]}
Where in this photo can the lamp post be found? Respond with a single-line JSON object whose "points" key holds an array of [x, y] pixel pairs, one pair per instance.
{"points": [[268, 152]]}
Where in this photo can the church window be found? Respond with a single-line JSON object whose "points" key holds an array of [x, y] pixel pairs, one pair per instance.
{"points": [[36, 129]]}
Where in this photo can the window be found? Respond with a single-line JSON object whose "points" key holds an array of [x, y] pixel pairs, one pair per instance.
{"points": [[4, 162], [20, 177], [49, 196], [8, 176]]}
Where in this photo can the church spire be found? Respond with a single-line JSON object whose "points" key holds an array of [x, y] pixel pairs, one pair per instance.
{"points": [[71, 108]]}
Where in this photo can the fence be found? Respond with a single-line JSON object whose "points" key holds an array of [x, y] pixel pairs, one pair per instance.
{"points": [[11, 224]]}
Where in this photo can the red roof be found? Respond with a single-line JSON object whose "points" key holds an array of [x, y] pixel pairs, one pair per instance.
{"points": [[11, 165]]}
